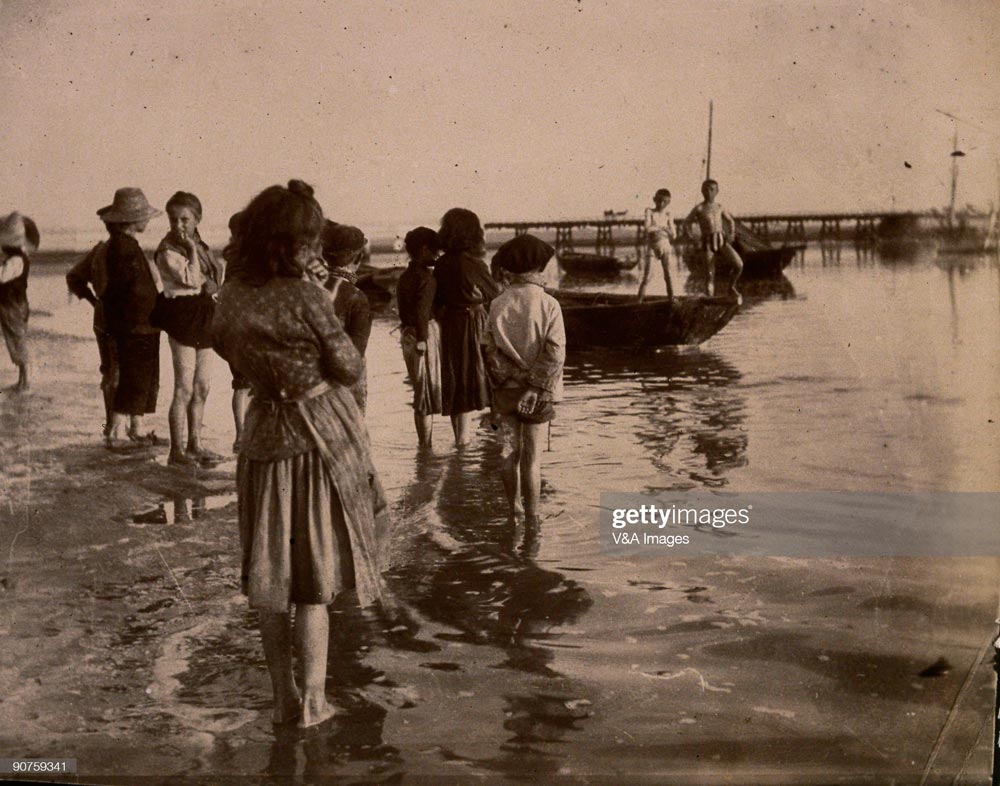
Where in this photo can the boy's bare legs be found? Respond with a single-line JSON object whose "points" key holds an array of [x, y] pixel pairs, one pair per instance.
{"points": [[22, 385], [531, 467], [460, 425], [276, 635], [663, 254], [647, 259], [735, 265], [185, 360], [425, 428], [511, 432], [116, 426], [108, 392], [312, 638], [199, 394]]}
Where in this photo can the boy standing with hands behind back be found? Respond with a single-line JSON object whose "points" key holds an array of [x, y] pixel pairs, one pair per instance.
{"points": [[525, 348]]}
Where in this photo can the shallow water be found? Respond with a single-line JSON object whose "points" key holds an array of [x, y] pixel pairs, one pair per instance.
{"points": [[528, 653]]}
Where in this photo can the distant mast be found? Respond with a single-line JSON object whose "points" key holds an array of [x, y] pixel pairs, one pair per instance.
{"points": [[954, 177], [708, 155]]}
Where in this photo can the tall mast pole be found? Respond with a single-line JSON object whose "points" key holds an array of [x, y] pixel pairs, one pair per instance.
{"points": [[708, 157], [954, 177]]}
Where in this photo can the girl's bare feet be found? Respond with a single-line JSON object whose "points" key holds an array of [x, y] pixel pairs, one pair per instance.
{"points": [[178, 459], [315, 712], [204, 456]]}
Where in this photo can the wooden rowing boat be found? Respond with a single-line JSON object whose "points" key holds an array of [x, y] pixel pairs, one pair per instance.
{"points": [[761, 260], [767, 263], [379, 283], [602, 319], [582, 264]]}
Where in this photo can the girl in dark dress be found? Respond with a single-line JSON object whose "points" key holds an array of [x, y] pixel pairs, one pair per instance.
{"points": [[128, 301], [420, 337], [464, 291]]}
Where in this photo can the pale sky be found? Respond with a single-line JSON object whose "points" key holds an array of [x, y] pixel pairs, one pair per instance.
{"points": [[398, 111]]}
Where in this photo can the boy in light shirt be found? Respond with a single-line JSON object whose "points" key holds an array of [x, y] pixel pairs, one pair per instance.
{"points": [[525, 347]]}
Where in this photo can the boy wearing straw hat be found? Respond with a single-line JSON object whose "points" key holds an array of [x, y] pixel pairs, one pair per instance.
{"points": [[128, 300], [18, 238]]}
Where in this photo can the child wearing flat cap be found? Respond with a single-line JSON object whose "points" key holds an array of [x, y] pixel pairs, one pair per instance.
{"points": [[525, 348], [344, 249]]}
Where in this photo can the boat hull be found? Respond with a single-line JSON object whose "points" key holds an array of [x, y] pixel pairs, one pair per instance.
{"points": [[379, 283], [766, 263], [579, 264], [613, 320]]}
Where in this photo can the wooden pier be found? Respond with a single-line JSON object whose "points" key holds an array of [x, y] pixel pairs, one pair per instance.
{"points": [[778, 228]]}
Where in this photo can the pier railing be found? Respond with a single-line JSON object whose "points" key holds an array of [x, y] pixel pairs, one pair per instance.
{"points": [[782, 228]]}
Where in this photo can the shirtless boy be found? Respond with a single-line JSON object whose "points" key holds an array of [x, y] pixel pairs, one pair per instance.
{"points": [[717, 227]]}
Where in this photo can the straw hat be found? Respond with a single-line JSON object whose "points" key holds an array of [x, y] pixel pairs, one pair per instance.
{"points": [[12, 233], [130, 205]]}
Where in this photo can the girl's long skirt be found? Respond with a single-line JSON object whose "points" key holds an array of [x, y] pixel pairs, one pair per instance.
{"points": [[464, 386], [424, 369], [293, 533], [138, 373], [316, 523], [14, 324]]}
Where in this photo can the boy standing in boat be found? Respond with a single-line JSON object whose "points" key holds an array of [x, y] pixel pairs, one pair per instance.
{"points": [[659, 226], [717, 227]]}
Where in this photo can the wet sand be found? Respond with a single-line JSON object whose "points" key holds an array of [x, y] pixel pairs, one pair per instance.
{"points": [[515, 656]]}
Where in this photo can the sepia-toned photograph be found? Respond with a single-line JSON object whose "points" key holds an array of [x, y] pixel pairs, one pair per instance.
{"points": [[453, 392]]}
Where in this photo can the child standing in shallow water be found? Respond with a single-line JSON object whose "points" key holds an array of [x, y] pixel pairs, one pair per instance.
{"points": [[420, 338], [87, 279], [525, 347], [191, 277], [309, 499], [128, 300], [717, 228], [18, 239]]}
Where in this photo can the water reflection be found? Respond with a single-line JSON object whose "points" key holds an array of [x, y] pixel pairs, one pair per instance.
{"points": [[685, 408], [488, 587], [905, 251], [864, 253], [962, 264], [766, 289], [750, 288], [473, 571], [536, 720], [354, 738], [182, 510], [829, 253]]}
